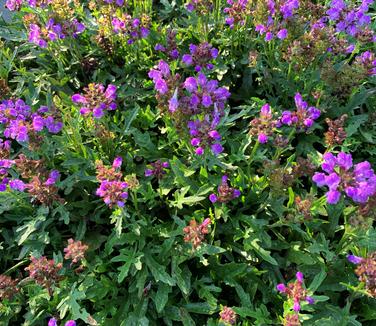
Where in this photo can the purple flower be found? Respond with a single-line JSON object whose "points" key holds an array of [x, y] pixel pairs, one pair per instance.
{"points": [[96, 99], [213, 198], [358, 182], [354, 259], [130, 28], [52, 178], [199, 151], [333, 196], [117, 162], [319, 179], [52, 322], [299, 276], [173, 103], [281, 287], [13, 5], [282, 34], [310, 300], [200, 56], [187, 59], [70, 323], [17, 184], [158, 169], [215, 135], [217, 149], [262, 138], [296, 306]]}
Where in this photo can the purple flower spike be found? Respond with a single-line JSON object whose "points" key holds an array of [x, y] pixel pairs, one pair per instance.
{"points": [[299, 276]]}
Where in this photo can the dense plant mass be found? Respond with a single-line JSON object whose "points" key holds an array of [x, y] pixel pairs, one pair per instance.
{"points": [[187, 163]]}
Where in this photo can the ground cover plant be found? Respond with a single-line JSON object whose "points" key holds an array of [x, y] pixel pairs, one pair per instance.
{"points": [[187, 163]]}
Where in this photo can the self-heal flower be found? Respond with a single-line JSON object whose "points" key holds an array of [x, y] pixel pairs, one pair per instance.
{"points": [[366, 271], [228, 316], [131, 28], [96, 99], [22, 124], [264, 125], [200, 56], [195, 233], [112, 188], [296, 292], [304, 116], [75, 251], [225, 192], [157, 169], [237, 12], [357, 181]]}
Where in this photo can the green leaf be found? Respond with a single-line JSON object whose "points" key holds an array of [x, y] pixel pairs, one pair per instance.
{"points": [[161, 297], [319, 278], [158, 271], [264, 254]]}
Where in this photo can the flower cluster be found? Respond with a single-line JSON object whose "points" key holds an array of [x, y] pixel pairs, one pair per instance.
{"points": [[54, 31], [349, 19], [96, 99], [170, 48], [304, 116], [158, 169], [278, 15], [366, 271], [200, 56], [198, 97], [228, 316], [41, 184], [237, 13], [205, 93], [20, 122], [195, 233], [53, 322], [75, 251], [357, 181], [203, 134], [263, 127], [367, 61], [112, 189], [336, 133], [13, 5], [131, 28], [43, 271], [166, 86], [225, 192], [296, 292], [201, 7], [8, 287]]}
